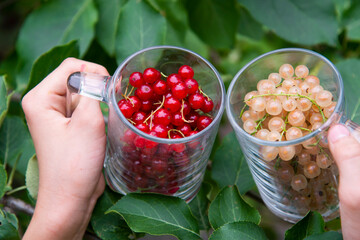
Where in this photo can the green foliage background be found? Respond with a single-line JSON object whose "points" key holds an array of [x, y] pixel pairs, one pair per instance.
{"points": [[37, 35]]}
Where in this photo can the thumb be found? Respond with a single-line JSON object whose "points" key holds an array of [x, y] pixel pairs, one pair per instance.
{"points": [[346, 152]]}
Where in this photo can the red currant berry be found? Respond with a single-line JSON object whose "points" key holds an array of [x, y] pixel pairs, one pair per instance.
{"points": [[186, 108], [186, 71], [146, 158], [193, 117], [173, 79], [128, 136], [173, 190], [138, 117], [178, 147], [196, 100], [137, 167], [162, 116], [146, 106], [136, 79], [160, 130], [159, 87], [203, 122], [149, 172], [177, 119], [144, 92], [139, 142], [126, 109], [208, 105], [135, 102], [156, 98], [168, 94], [150, 75], [121, 102], [179, 90], [172, 104], [175, 135], [141, 182], [159, 166], [149, 143], [185, 129], [143, 127], [191, 85]]}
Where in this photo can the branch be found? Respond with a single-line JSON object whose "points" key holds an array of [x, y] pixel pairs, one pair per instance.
{"points": [[17, 205]]}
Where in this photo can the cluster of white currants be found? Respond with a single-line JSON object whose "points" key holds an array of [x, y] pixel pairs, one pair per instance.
{"points": [[288, 105]]}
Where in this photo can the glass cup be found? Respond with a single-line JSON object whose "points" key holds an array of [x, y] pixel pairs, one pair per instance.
{"points": [[298, 175], [139, 162]]}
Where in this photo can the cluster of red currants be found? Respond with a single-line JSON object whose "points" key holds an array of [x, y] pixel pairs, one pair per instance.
{"points": [[171, 108], [162, 106]]}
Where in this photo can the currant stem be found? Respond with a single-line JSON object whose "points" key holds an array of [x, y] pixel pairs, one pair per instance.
{"points": [[132, 122], [202, 92], [162, 74], [302, 128], [260, 121], [182, 113], [152, 113], [242, 110], [175, 130], [126, 89], [132, 89], [284, 127]]}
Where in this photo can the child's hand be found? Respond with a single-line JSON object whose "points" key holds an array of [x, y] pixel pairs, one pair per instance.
{"points": [[70, 154], [346, 151]]}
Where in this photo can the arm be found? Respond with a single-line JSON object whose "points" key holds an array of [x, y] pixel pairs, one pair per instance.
{"points": [[70, 154]]}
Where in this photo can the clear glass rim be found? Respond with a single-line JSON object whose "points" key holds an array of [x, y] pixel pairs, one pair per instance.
{"points": [[241, 131], [216, 119]]}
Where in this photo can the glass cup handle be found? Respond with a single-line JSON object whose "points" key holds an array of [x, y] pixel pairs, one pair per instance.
{"points": [[354, 129], [86, 84]]}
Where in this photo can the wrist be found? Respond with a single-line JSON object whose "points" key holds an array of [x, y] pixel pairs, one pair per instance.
{"points": [[59, 217]]}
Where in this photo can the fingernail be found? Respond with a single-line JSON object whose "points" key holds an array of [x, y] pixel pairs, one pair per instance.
{"points": [[337, 132]]}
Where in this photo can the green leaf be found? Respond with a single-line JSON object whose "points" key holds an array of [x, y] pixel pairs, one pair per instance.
{"points": [[325, 236], [351, 21], [13, 136], [341, 6], [32, 177], [109, 226], [239, 230], [4, 98], [248, 26], [305, 22], [48, 61], [3, 180], [334, 224], [66, 20], [8, 226], [214, 21], [312, 223], [229, 206], [350, 72], [27, 152], [106, 28], [229, 166], [157, 215], [8, 67], [139, 26], [199, 206]]}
